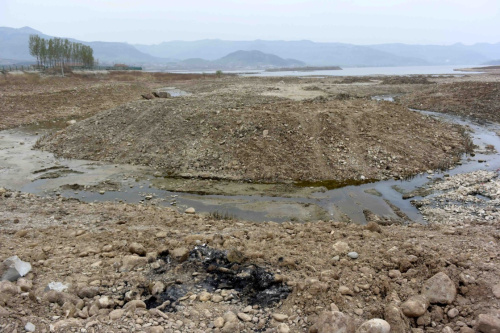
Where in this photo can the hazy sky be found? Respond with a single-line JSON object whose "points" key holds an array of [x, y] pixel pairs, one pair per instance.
{"points": [[354, 21]]}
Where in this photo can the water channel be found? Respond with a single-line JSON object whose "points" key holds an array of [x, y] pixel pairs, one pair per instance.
{"points": [[25, 169]]}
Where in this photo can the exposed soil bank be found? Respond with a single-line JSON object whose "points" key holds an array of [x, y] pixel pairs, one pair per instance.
{"points": [[479, 100], [252, 137]]}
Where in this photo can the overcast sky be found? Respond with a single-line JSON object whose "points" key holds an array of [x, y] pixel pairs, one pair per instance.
{"points": [[347, 21]]}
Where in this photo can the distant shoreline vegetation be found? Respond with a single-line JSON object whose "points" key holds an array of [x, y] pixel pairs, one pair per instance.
{"points": [[305, 69]]}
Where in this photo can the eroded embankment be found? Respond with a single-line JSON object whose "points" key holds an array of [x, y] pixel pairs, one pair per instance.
{"points": [[263, 138], [480, 100]]}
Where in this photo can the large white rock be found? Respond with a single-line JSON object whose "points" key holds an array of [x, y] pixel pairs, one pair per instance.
{"points": [[374, 326], [13, 268]]}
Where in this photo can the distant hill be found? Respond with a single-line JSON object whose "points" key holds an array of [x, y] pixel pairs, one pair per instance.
{"points": [[14, 46], [204, 54], [256, 59], [456, 54], [237, 60], [314, 54]]}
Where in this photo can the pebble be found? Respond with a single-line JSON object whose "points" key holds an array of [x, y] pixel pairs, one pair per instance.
{"points": [[343, 290], [488, 324], [353, 255], [439, 289], [219, 322], [374, 326], [29, 327], [341, 247], [496, 290], [136, 248], [190, 210], [279, 317], [283, 328], [452, 313], [244, 316], [415, 306], [394, 274], [116, 314]]}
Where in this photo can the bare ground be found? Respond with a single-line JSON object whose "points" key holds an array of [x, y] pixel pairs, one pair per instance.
{"points": [[90, 249]]}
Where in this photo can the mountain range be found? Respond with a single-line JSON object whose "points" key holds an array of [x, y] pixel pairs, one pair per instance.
{"points": [[214, 53]]}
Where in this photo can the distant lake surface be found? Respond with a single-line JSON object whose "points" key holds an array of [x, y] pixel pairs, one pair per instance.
{"points": [[354, 71]]}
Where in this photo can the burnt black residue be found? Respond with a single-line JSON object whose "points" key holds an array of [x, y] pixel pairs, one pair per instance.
{"points": [[254, 284]]}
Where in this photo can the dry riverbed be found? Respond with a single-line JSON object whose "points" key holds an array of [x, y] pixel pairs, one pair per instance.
{"points": [[116, 267]]}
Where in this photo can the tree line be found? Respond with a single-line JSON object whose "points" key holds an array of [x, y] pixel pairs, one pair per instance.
{"points": [[58, 52]]}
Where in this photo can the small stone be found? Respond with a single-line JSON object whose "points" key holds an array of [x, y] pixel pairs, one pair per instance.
{"points": [[104, 302], [217, 298], [374, 326], [156, 329], [353, 255], [279, 317], [343, 290], [116, 314], [439, 289], [332, 321], [29, 327], [87, 292], [190, 210], [136, 248], [394, 274], [488, 324], [373, 227], [235, 256], [13, 268], [452, 313], [496, 290], [415, 306], [180, 254], [134, 304], [244, 316], [359, 312], [205, 296], [24, 284], [283, 328], [341, 247], [219, 322], [447, 329], [131, 262]]}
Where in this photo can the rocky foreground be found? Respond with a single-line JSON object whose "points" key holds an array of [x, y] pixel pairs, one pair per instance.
{"points": [[140, 268]]}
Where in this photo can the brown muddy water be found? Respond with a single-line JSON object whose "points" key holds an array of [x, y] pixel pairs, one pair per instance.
{"points": [[25, 169]]}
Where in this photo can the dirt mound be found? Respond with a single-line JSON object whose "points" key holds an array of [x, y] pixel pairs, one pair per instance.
{"points": [[264, 138], [471, 99]]}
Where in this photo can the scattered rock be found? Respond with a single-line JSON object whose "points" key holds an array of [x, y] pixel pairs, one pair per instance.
{"points": [[439, 289], [496, 290], [136, 248], [373, 227], [341, 247], [488, 324], [283, 328], [147, 96], [131, 262], [353, 255], [29, 327], [279, 317], [244, 316], [162, 94], [57, 286], [24, 284], [116, 314], [13, 268], [219, 322], [190, 210], [374, 326], [332, 321], [394, 274], [452, 313], [415, 306], [180, 254], [87, 292]]}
